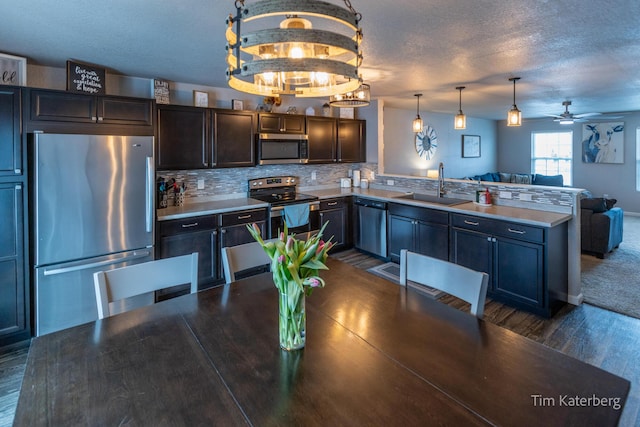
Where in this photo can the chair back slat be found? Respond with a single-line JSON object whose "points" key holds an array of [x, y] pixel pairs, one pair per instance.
{"points": [[459, 281], [126, 282], [242, 257]]}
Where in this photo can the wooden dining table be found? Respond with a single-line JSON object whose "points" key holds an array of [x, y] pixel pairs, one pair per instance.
{"points": [[376, 354]]}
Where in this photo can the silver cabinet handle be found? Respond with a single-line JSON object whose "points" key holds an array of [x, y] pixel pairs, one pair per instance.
{"points": [[471, 222], [332, 203], [193, 224], [244, 216], [511, 230]]}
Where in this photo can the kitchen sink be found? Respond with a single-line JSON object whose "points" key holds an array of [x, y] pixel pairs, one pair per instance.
{"points": [[432, 199]]}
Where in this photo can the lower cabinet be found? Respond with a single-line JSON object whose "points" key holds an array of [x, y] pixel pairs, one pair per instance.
{"points": [[206, 235], [336, 212], [185, 236], [527, 265], [14, 302], [421, 230]]}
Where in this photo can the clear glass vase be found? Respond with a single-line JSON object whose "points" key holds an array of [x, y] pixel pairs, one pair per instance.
{"points": [[292, 319]]}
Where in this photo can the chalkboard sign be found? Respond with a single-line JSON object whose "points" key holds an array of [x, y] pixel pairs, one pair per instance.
{"points": [[85, 78]]}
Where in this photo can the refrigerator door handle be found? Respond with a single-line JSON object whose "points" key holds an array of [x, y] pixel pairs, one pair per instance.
{"points": [[62, 270], [149, 194]]}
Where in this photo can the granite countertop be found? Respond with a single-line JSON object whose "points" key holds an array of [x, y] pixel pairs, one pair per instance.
{"points": [[507, 213]]}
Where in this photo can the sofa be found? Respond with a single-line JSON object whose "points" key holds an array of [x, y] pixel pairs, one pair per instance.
{"points": [[600, 226], [521, 178]]}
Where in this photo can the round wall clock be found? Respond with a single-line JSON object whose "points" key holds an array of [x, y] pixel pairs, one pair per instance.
{"points": [[427, 142]]}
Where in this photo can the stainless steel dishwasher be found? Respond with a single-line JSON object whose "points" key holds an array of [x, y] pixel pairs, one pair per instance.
{"points": [[372, 226]]}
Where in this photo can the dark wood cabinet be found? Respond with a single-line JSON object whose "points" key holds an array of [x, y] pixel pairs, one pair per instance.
{"points": [[14, 314], [10, 146], [351, 141], [233, 141], [281, 123], [185, 236], [336, 212], [527, 265], [421, 230], [183, 138], [323, 139], [233, 230], [57, 106], [198, 138]]}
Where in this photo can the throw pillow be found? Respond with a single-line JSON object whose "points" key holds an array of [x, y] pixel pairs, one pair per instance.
{"points": [[610, 203], [597, 205], [520, 178], [549, 180], [504, 177]]}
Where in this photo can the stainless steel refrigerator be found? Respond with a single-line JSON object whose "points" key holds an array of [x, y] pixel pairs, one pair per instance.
{"points": [[93, 210]]}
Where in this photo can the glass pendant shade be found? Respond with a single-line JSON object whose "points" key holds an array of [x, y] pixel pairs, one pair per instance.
{"points": [[460, 120], [418, 124], [514, 116], [315, 51], [360, 97]]}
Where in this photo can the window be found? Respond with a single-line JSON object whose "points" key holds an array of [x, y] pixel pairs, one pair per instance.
{"points": [[552, 154]]}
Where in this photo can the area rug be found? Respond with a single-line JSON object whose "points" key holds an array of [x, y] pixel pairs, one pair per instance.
{"points": [[613, 283], [391, 272]]}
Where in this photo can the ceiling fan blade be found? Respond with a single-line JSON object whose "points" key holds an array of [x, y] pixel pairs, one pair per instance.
{"points": [[587, 115], [554, 115]]}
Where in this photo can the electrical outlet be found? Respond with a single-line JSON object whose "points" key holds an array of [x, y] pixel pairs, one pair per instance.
{"points": [[390, 182], [313, 176], [201, 184], [525, 197], [505, 195]]}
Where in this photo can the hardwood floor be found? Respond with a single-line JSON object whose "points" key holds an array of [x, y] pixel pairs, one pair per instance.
{"points": [[602, 338]]}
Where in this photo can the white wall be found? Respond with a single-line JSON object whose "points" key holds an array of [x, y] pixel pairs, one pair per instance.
{"points": [[616, 180], [401, 158]]}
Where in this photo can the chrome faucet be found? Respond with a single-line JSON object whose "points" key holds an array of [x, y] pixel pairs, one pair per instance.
{"points": [[441, 190]]}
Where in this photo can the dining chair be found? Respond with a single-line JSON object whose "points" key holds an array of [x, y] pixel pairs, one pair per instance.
{"points": [[459, 281], [242, 257], [138, 279]]}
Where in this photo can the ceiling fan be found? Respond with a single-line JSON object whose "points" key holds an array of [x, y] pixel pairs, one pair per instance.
{"points": [[568, 118]]}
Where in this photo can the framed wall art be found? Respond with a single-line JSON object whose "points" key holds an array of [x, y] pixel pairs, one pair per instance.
{"points": [[603, 142], [85, 78], [237, 104], [200, 99], [470, 145], [13, 70]]}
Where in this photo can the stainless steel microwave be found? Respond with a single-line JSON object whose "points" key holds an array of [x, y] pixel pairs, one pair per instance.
{"points": [[277, 148]]}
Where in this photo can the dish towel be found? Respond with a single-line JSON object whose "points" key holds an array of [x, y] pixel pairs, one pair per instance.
{"points": [[296, 215]]}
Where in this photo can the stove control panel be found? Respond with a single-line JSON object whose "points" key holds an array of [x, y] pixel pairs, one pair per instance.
{"points": [[273, 181]]}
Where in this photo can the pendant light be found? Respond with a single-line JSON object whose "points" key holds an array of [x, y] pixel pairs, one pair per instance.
{"points": [[460, 121], [356, 98], [514, 116], [417, 122], [315, 51]]}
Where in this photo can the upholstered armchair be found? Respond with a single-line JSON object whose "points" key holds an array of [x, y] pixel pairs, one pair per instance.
{"points": [[600, 226]]}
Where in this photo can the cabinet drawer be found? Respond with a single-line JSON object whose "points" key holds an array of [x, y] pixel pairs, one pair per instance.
{"points": [[187, 225], [243, 217], [500, 228], [421, 214], [520, 231], [332, 204]]}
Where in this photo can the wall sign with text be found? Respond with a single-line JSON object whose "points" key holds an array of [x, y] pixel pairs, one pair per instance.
{"points": [[84, 78], [13, 70]]}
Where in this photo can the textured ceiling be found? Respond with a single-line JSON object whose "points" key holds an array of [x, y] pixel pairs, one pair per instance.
{"points": [[586, 51]]}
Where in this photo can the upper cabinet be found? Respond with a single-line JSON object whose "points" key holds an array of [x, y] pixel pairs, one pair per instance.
{"points": [[197, 138], [323, 139], [183, 137], [351, 141], [11, 158], [65, 107], [233, 138], [281, 123]]}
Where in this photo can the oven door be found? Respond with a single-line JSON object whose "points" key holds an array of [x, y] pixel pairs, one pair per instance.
{"points": [[277, 220]]}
